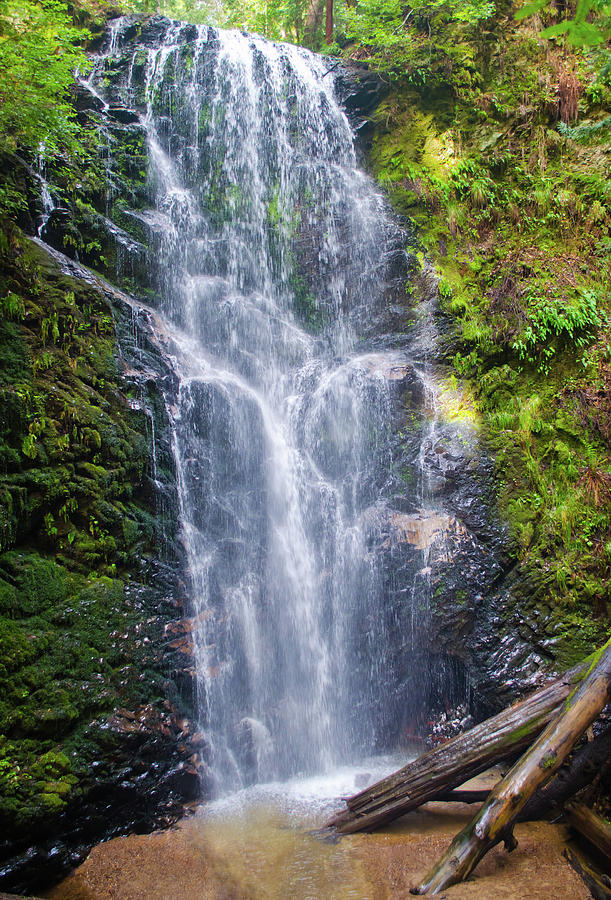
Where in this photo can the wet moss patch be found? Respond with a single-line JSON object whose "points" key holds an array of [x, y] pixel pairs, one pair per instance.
{"points": [[512, 204], [81, 627]]}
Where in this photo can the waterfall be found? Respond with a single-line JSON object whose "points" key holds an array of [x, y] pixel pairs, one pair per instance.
{"points": [[306, 500]]}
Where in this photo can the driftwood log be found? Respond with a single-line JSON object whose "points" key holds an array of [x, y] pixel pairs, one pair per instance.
{"points": [[575, 775], [494, 821], [444, 768]]}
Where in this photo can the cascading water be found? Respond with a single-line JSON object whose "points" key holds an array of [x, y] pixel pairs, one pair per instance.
{"points": [[278, 269]]}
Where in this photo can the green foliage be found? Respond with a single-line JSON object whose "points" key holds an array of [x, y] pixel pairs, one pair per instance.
{"points": [[579, 30], [513, 206], [587, 132], [378, 23], [274, 19], [404, 40], [12, 306], [468, 11], [385, 24], [375, 23], [550, 319], [39, 50]]}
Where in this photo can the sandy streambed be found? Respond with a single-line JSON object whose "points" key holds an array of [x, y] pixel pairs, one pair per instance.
{"points": [[258, 846]]}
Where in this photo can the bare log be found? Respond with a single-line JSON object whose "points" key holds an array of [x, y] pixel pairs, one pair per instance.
{"points": [[572, 777], [591, 826], [581, 771], [494, 821], [593, 880], [455, 762]]}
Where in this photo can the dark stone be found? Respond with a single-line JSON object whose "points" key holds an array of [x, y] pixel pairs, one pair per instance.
{"points": [[359, 89], [84, 100], [185, 780], [250, 740], [152, 31], [123, 115]]}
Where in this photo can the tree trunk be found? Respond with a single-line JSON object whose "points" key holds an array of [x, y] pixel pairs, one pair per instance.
{"points": [[329, 23], [495, 820], [450, 765], [581, 771], [313, 22]]}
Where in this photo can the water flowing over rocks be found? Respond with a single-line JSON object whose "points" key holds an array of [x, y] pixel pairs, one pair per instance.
{"points": [[328, 505], [337, 548]]}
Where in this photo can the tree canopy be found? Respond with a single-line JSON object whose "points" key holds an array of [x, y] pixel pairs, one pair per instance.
{"points": [[40, 47]]}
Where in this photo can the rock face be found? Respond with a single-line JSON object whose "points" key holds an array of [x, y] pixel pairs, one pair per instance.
{"points": [[97, 699], [361, 92]]}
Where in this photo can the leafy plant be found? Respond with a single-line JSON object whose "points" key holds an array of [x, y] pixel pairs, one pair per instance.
{"points": [[580, 32], [547, 320], [12, 306], [39, 51]]}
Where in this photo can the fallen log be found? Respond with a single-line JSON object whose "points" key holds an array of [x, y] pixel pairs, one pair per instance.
{"points": [[581, 771], [591, 826], [572, 777], [593, 880], [494, 821], [455, 762]]}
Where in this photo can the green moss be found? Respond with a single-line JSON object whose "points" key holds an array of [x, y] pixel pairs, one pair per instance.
{"points": [[548, 761], [502, 199], [75, 516], [50, 764]]}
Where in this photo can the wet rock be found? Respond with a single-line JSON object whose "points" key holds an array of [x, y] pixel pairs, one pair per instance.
{"points": [[360, 90], [186, 781], [84, 100], [123, 115], [152, 30], [252, 745], [449, 724], [117, 752]]}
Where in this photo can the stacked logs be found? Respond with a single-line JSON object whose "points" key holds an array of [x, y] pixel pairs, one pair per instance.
{"points": [[547, 725]]}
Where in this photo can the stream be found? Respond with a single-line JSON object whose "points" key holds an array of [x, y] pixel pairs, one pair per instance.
{"points": [[262, 844]]}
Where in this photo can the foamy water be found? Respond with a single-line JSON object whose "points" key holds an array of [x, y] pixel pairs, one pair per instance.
{"points": [[305, 800]]}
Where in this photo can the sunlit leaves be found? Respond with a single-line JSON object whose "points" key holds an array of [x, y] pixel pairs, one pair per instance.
{"points": [[376, 22], [274, 19], [38, 54], [591, 24], [468, 11], [530, 9]]}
